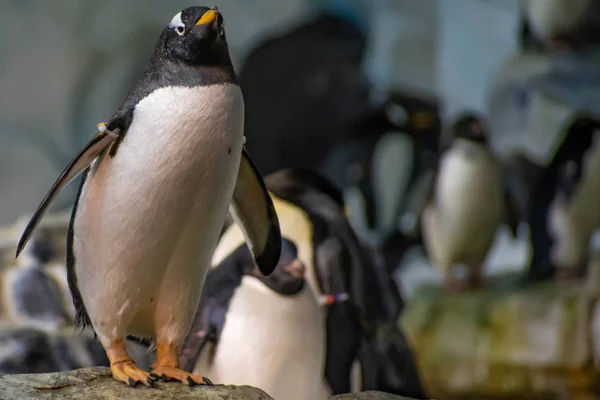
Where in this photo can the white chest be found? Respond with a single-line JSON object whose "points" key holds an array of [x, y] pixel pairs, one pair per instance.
{"points": [[271, 341], [469, 179], [154, 211], [175, 126]]}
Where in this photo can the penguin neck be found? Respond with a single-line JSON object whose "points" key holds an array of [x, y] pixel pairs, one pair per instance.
{"points": [[170, 72], [477, 140]]}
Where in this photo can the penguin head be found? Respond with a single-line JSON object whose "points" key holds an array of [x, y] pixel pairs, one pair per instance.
{"points": [[288, 277], [469, 126], [196, 36]]}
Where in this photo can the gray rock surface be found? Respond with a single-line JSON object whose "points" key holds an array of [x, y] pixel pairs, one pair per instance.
{"points": [[370, 395], [97, 383]]}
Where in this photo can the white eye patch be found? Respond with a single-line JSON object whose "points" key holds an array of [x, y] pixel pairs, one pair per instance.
{"points": [[177, 24]]}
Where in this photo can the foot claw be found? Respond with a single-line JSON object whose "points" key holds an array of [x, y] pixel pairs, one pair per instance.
{"points": [[170, 373], [128, 373], [208, 381]]}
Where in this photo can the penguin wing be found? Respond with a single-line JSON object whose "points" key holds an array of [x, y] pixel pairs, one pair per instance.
{"points": [[512, 213], [342, 264], [423, 192], [90, 152], [252, 209]]}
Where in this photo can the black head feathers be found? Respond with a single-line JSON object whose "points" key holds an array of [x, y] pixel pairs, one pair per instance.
{"points": [[469, 126], [195, 36]]}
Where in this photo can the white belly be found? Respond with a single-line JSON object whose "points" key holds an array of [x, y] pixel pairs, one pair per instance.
{"points": [[272, 342], [149, 218], [468, 206]]}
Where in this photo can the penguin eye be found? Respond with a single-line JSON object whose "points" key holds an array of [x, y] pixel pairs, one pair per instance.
{"points": [[222, 31], [178, 24]]}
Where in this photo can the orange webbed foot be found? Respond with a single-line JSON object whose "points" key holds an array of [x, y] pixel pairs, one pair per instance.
{"points": [[170, 373], [124, 369], [128, 373], [167, 367]]}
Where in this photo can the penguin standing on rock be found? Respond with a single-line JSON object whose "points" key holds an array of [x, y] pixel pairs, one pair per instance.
{"points": [[466, 205], [152, 203]]}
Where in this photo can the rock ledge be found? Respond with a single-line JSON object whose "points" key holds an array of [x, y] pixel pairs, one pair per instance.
{"points": [[97, 383], [369, 395]]}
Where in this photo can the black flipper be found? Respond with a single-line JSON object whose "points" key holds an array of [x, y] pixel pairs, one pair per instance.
{"points": [[253, 210], [90, 152], [342, 324], [512, 215]]}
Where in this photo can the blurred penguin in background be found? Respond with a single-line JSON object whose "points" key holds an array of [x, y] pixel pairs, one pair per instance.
{"points": [[466, 204], [550, 25], [565, 31], [377, 167], [574, 214], [373, 168], [322, 307], [302, 89]]}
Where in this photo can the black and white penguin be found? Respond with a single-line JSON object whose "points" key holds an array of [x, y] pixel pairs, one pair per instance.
{"points": [[319, 65], [574, 214], [151, 206], [466, 204], [267, 332], [319, 331], [374, 167]]}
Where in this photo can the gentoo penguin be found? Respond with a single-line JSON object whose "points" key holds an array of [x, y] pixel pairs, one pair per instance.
{"points": [[338, 305], [466, 205], [151, 206], [574, 214]]}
